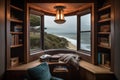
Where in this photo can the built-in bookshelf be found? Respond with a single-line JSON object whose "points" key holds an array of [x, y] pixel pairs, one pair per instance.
{"points": [[104, 34], [15, 31]]}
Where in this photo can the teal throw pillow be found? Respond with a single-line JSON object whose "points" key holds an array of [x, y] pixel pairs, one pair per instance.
{"points": [[40, 72]]}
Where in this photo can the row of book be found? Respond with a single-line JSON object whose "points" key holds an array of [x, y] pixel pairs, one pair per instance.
{"points": [[15, 40], [104, 59], [49, 58]]}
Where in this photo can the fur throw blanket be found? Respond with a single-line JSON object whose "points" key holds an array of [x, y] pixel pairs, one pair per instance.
{"points": [[72, 59]]}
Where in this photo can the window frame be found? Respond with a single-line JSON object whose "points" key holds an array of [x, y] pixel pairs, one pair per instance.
{"points": [[35, 55], [79, 47], [36, 12], [86, 55]]}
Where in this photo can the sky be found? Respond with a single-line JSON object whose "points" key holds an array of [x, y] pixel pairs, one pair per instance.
{"points": [[70, 26]]}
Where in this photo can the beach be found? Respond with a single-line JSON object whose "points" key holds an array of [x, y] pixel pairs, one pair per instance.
{"points": [[71, 46]]}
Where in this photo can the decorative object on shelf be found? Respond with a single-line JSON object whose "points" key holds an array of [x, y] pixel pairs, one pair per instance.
{"points": [[14, 61], [105, 16], [105, 28], [59, 14], [18, 28]]}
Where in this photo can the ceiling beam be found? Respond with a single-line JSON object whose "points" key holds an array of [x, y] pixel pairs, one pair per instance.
{"points": [[60, 1]]}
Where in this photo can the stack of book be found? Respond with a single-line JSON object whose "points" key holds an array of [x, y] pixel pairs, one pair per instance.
{"points": [[104, 60], [49, 58]]}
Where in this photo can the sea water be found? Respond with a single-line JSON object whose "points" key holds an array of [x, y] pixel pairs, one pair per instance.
{"points": [[72, 37]]}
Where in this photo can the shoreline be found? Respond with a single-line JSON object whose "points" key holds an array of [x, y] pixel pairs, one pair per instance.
{"points": [[71, 46]]}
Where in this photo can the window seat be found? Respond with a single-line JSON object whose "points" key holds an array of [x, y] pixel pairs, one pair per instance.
{"points": [[87, 71], [93, 68], [83, 64]]}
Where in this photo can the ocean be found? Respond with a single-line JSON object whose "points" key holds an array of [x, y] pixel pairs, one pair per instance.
{"points": [[72, 37]]}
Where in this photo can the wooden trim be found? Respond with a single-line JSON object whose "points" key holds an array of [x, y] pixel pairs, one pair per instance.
{"points": [[107, 47], [16, 20], [115, 36], [16, 32], [14, 7], [14, 46], [60, 1], [35, 56], [26, 33], [104, 20], [94, 34], [86, 57], [7, 16], [42, 32], [78, 32], [105, 7], [107, 33]]}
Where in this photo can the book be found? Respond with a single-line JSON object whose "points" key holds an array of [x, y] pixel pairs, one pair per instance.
{"points": [[104, 60]]}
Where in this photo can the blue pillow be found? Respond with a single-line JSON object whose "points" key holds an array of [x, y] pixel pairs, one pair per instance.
{"points": [[55, 78], [40, 72]]}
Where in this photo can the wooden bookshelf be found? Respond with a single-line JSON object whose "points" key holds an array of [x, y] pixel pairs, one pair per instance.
{"points": [[16, 32], [104, 32], [103, 46], [104, 7], [17, 8], [104, 20], [14, 46], [107, 33], [16, 20]]}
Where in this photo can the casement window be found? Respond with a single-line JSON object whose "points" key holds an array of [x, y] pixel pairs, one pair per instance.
{"points": [[35, 31], [84, 34]]}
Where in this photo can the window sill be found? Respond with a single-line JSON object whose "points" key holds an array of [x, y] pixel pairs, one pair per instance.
{"points": [[35, 52], [86, 55]]}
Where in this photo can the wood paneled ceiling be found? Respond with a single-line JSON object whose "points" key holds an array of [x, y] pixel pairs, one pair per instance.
{"points": [[48, 8]]}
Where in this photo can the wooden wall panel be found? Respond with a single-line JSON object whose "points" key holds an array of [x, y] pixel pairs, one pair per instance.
{"points": [[2, 38], [116, 14]]}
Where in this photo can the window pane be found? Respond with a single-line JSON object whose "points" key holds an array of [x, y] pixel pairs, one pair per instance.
{"points": [[60, 36], [34, 33], [85, 33], [85, 41]]}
